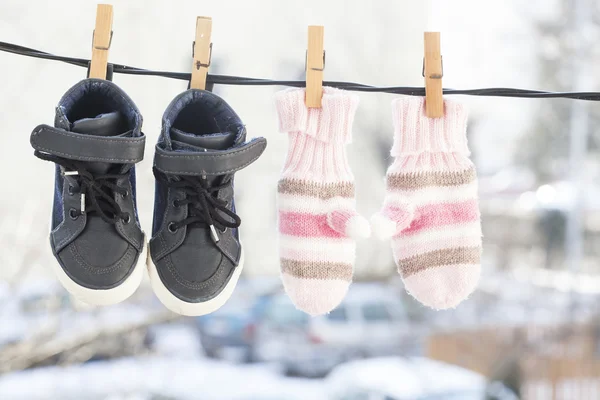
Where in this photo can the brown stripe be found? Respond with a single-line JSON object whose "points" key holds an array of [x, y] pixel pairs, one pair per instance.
{"points": [[460, 255], [321, 190], [316, 269], [419, 180]]}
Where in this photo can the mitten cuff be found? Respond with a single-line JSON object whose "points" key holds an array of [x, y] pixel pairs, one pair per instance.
{"points": [[330, 123], [415, 133]]}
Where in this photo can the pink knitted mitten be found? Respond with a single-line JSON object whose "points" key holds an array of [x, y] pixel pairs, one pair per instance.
{"points": [[431, 207], [317, 212]]}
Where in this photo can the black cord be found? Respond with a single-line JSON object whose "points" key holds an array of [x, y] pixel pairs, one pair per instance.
{"points": [[358, 87]]}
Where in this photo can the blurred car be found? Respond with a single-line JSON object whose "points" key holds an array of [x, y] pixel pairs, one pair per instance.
{"points": [[370, 322], [395, 378], [229, 331]]}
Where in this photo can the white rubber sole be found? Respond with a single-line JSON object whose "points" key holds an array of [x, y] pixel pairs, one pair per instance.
{"points": [[104, 297], [179, 306]]}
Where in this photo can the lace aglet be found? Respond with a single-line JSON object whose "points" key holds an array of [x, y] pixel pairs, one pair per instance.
{"points": [[82, 203], [213, 233]]}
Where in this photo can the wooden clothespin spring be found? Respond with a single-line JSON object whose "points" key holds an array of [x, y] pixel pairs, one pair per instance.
{"points": [[199, 64], [434, 76]]}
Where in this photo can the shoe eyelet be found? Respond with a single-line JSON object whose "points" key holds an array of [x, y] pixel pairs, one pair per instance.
{"points": [[127, 219], [125, 195], [176, 204], [171, 227], [73, 214], [71, 190], [224, 230]]}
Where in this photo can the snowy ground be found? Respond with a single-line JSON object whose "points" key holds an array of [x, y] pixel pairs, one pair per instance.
{"points": [[180, 379]]}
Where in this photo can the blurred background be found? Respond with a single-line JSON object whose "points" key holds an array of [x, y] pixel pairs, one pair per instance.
{"points": [[532, 329]]}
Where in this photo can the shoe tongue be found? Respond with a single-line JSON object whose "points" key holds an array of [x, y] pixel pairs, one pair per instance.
{"points": [[109, 124], [191, 142], [185, 141]]}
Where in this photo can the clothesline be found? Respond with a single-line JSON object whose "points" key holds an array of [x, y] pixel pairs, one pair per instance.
{"points": [[246, 81]]}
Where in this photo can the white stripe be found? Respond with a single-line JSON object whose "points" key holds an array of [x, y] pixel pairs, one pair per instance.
{"points": [[434, 194], [404, 251], [341, 250], [440, 233], [313, 205]]}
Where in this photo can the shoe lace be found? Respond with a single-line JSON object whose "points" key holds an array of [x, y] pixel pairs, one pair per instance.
{"points": [[204, 207], [97, 190]]}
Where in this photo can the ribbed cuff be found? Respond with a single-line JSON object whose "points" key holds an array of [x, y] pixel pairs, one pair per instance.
{"points": [[415, 133], [314, 160], [330, 123]]}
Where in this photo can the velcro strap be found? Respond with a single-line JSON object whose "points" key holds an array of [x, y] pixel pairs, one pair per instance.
{"points": [[77, 146], [209, 162]]}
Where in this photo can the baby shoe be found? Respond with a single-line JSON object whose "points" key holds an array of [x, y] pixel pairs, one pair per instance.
{"points": [[195, 253], [95, 234]]}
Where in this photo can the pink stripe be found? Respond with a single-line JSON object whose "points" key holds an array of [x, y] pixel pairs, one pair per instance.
{"points": [[305, 225], [436, 215], [403, 251]]}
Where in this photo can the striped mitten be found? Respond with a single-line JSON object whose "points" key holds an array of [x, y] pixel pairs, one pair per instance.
{"points": [[431, 207], [317, 212]]}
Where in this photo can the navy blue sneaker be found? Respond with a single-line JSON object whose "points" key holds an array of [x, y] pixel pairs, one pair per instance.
{"points": [[195, 253], [95, 233]]}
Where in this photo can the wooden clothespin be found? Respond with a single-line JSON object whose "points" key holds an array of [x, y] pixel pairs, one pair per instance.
{"points": [[101, 41], [433, 71], [315, 65], [202, 53]]}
